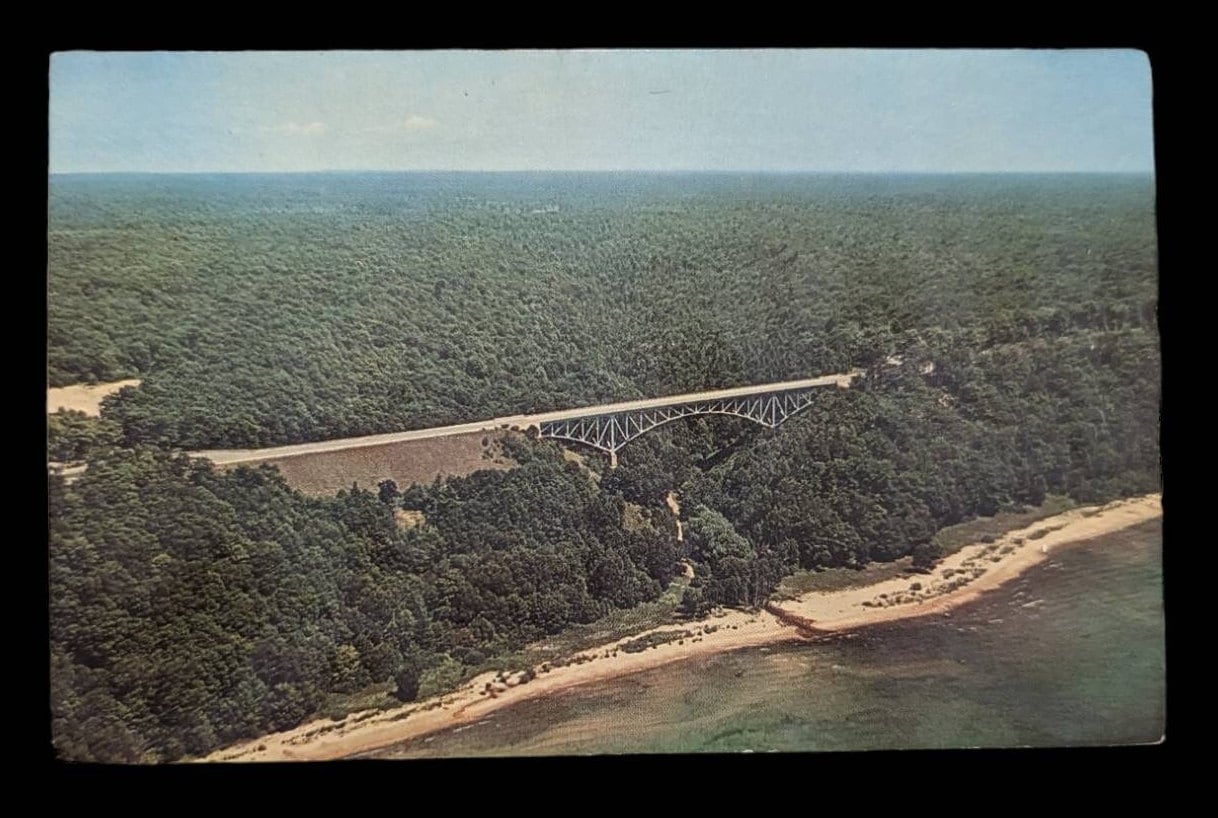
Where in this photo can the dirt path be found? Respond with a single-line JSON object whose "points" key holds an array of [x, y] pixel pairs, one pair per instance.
{"points": [[83, 397], [675, 506], [956, 580]]}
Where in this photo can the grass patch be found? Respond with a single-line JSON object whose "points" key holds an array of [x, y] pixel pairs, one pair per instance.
{"points": [[338, 706], [441, 678], [633, 519], [577, 638], [673, 593], [582, 462], [835, 579], [989, 529]]}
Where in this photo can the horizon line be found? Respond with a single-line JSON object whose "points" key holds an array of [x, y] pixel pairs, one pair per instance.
{"points": [[707, 171]]}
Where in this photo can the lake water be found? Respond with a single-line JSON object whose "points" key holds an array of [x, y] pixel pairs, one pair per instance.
{"points": [[1071, 653]]}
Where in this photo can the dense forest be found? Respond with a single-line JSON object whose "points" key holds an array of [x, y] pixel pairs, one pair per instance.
{"points": [[264, 310], [191, 608], [1007, 325]]}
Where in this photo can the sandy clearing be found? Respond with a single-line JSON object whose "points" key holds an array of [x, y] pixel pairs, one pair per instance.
{"points": [[84, 397], [813, 613], [405, 462], [407, 519]]}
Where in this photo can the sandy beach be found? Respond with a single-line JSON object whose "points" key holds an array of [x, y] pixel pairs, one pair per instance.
{"points": [[966, 574], [954, 581]]}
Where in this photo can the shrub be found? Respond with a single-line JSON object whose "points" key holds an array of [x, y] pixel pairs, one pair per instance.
{"points": [[653, 640], [407, 680]]}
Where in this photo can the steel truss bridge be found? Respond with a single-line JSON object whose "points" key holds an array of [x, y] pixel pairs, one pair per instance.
{"points": [[609, 428]]}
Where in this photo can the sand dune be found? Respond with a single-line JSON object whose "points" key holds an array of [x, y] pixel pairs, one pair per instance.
{"points": [[954, 581]]}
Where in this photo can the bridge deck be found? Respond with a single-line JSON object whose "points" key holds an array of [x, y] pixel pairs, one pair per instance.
{"points": [[227, 456], [677, 400]]}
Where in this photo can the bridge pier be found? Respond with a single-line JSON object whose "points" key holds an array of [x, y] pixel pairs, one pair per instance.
{"points": [[612, 460]]}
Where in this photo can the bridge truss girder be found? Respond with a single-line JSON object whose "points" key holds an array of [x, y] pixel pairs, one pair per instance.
{"points": [[610, 432]]}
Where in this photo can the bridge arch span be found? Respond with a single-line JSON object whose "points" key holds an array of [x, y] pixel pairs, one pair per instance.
{"points": [[638, 434], [610, 431]]}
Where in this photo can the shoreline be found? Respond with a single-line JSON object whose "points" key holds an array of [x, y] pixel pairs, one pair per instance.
{"points": [[955, 580]]}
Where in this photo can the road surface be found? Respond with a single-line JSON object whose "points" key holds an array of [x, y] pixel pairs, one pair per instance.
{"points": [[231, 456]]}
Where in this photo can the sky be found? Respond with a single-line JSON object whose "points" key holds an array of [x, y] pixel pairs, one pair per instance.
{"points": [[746, 110]]}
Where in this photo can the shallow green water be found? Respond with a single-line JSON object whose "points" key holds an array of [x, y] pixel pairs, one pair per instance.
{"points": [[1071, 653]]}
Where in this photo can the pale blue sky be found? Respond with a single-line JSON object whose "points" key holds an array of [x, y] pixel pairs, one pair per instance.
{"points": [[770, 110]]}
